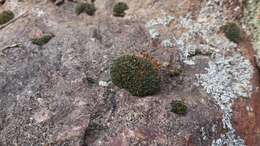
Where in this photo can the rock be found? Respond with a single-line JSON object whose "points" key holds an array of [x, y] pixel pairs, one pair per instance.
{"points": [[225, 86], [252, 18], [61, 94]]}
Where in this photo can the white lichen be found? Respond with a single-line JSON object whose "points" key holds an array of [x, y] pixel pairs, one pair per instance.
{"points": [[167, 43], [227, 79], [152, 24], [203, 133], [206, 27], [103, 83], [154, 34], [165, 21]]}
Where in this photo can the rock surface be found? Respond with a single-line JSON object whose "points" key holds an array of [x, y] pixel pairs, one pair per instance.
{"points": [[252, 19], [61, 94]]}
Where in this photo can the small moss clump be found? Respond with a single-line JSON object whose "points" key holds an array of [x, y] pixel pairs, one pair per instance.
{"points": [[135, 74], [80, 8], [42, 40], [6, 16], [90, 9], [119, 9], [232, 32], [179, 108]]}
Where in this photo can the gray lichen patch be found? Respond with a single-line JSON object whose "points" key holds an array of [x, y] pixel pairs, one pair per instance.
{"points": [[191, 36], [57, 94], [152, 25], [227, 79]]}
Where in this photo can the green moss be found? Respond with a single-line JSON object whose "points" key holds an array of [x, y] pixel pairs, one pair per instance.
{"points": [[6, 16], [135, 74], [90, 9], [42, 40], [179, 108], [232, 32], [80, 8], [119, 9]]}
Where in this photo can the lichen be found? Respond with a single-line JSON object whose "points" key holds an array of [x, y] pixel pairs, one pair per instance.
{"points": [[167, 43], [227, 78], [219, 81], [252, 19], [152, 24]]}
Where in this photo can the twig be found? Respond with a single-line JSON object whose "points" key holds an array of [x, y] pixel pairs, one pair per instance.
{"points": [[9, 47], [13, 20]]}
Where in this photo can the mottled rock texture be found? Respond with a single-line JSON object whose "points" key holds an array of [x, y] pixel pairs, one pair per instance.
{"points": [[252, 19], [60, 93]]}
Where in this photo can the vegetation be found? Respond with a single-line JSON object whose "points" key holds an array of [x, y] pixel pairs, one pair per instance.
{"points": [[80, 8], [90, 9], [42, 40], [135, 74], [232, 32], [119, 9], [6, 16], [179, 108]]}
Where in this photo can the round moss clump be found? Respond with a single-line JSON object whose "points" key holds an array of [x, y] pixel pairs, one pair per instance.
{"points": [[90, 9], [179, 108], [6, 16], [136, 75], [119, 9], [232, 32]]}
